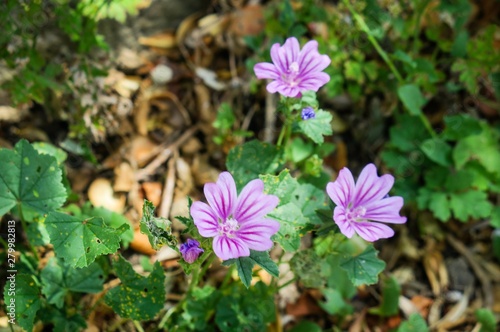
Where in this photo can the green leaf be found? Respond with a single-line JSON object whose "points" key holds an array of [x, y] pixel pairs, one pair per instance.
{"points": [[30, 180], [471, 203], [158, 230], [317, 127], [112, 219], [246, 162], [390, 298], [412, 98], [58, 279], [200, 307], [440, 206], [245, 265], [137, 297], [487, 320], [415, 323], [336, 277], [488, 155], [334, 303], [363, 269], [306, 326], [63, 320], [298, 150], [459, 126], [306, 264], [22, 299], [354, 70], [495, 217], [78, 242], [408, 132], [438, 151], [49, 149]]}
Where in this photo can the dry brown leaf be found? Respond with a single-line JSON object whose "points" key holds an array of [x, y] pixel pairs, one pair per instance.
{"points": [[124, 178], [435, 268], [423, 304], [212, 24], [161, 40], [101, 193], [205, 110], [142, 150], [248, 21]]}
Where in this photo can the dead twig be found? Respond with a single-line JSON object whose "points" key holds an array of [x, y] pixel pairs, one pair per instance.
{"points": [[476, 267], [270, 117], [168, 188], [166, 153]]}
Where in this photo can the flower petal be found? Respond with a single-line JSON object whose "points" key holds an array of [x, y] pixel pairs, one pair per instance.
{"points": [[310, 60], [288, 91], [205, 219], [341, 191], [290, 51], [226, 248], [277, 60], [314, 81], [339, 216], [256, 234], [275, 86], [386, 210], [370, 187], [253, 203], [372, 231], [266, 70], [222, 195]]}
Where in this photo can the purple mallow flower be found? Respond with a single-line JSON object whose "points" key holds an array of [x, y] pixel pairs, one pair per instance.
{"points": [[236, 223], [190, 250], [308, 113], [293, 70], [360, 205]]}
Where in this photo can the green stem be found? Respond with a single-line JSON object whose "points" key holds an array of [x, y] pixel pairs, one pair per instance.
{"points": [[287, 283], [138, 326], [227, 277], [364, 27], [416, 28]]}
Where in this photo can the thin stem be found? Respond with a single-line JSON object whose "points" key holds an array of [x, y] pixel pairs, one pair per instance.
{"points": [[138, 326], [416, 28], [364, 27], [291, 281], [227, 277]]}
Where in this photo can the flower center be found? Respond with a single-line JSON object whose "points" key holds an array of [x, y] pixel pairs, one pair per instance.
{"points": [[291, 74], [228, 227], [356, 214]]}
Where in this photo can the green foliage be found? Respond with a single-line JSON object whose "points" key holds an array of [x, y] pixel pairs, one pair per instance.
{"points": [[137, 297], [335, 304], [412, 98], [306, 326], [58, 279], [306, 264], [364, 268], [487, 319], [391, 290], [246, 162], [318, 127], [29, 181], [78, 242], [158, 230], [245, 265], [225, 123], [25, 298], [199, 308], [415, 323]]}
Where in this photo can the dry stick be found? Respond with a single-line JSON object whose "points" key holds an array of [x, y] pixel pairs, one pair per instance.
{"points": [[270, 117], [165, 154], [168, 189], [478, 270]]}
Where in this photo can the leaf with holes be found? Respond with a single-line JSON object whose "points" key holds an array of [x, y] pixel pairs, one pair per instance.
{"points": [[158, 230], [137, 297], [58, 279], [29, 180], [22, 299], [78, 242]]}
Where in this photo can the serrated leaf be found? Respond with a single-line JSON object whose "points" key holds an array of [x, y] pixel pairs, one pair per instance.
{"points": [[363, 269], [471, 203], [30, 180], [112, 219], [317, 127], [440, 205], [415, 323], [22, 300], [137, 297], [412, 98], [488, 155], [78, 242], [158, 230], [245, 265], [58, 279], [438, 151], [246, 162]]}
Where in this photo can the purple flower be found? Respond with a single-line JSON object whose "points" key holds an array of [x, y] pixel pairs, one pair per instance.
{"points": [[293, 70], [308, 113], [236, 223], [190, 250], [360, 204]]}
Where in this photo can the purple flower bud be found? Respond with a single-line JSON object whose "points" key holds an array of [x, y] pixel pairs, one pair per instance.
{"points": [[308, 113], [190, 250]]}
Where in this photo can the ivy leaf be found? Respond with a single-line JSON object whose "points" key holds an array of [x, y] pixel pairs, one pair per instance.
{"points": [[317, 127], [158, 230], [23, 300], [78, 242], [412, 98], [137, 297], [245, 265], [58, 279], [415, 323], [259, 158], [30, 179], [363, 269]]}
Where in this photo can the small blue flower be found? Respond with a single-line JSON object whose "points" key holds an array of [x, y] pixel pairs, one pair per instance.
{"points": [[308, 113], [190, 250]]}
